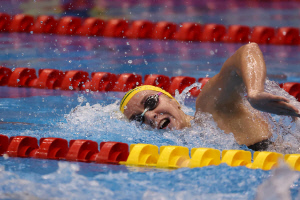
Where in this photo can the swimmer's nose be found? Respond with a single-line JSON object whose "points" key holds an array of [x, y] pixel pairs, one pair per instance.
{"points": [[151, 118]]}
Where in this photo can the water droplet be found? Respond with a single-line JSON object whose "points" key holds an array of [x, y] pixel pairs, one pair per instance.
{"points": [[5, 156], [145, 61]]}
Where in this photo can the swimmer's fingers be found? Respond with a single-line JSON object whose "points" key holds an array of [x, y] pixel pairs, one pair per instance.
{"points": [[282, 111], [283, 103], [287, 113], [283, 108], [279, 98], [264, 97], [273, 104], [286, 106]]}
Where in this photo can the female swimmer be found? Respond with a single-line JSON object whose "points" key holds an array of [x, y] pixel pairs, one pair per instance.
{"points": [[222, 97]]}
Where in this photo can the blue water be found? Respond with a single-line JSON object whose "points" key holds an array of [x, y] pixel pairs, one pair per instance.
{"points": [[171, 58], [49, 113], [96, 181], [95, 116]]}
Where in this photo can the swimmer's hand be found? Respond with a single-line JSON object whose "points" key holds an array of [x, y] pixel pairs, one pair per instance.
{"points": [[267, 102]]}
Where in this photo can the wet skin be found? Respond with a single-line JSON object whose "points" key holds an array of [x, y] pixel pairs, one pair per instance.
{"points": [[167, 112], [245, 70], [221, 97]]}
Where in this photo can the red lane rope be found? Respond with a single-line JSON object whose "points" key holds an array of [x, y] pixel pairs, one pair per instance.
{"points": [[143, 29], [104, 81], [59, 149]]}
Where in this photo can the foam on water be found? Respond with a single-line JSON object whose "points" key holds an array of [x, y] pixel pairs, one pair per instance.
{"points": [[277, 187], [286, 130], [105, 122], [185, 94], [100, 121], [63, 184], [214, 182]]}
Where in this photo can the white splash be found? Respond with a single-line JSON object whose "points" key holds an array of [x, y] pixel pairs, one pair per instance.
{"points": [[184, 94], [286, 130], [90, 118], [277, 187], [108, 123], [61, 184]]}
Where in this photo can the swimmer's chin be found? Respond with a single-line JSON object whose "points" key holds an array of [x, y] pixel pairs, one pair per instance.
{"points": [[185, 124]]}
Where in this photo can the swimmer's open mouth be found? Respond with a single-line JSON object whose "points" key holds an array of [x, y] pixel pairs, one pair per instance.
{"points": [[164, 123]]}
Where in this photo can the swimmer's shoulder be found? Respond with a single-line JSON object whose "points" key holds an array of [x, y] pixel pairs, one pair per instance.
{"points": [[219, 94], [206, 98]]}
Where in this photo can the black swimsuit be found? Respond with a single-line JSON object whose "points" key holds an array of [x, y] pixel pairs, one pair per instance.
{"points": [[260, 146]]}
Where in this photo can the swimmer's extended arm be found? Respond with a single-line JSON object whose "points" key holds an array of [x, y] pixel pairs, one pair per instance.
{"points": [[246, 67]]}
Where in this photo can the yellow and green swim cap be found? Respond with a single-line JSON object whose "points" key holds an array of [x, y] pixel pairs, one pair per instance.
{"points": [[134, 91]]}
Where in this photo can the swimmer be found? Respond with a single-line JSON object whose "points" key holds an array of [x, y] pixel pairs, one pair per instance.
{"points": [[222, 97]]}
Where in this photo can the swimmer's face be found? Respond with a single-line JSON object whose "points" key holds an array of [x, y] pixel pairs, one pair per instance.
{"points": [[167, 113]]}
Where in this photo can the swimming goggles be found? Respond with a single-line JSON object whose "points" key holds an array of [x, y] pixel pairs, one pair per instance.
{"points": [[150, 104]]}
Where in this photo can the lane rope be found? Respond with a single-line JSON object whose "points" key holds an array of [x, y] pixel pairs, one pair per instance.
{"points": [[78, 80], [143, 29], [145, 155], [139, 154]]}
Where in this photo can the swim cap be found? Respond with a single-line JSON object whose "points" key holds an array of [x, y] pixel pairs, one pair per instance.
{"points": [[134, 91]]}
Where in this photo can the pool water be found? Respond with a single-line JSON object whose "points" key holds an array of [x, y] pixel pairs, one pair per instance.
{"points": [[95, 116], [171, 58], [267, 13]]}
